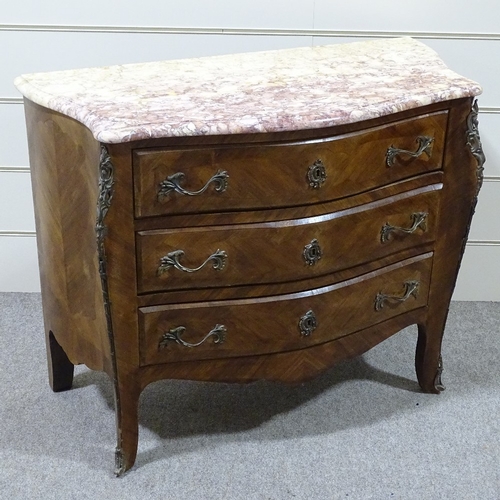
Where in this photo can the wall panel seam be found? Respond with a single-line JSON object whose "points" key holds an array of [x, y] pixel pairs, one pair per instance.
{"points": [[483, 243], [489, 110], [11, 100], [16, 170], [249, 31], [17, 234]]}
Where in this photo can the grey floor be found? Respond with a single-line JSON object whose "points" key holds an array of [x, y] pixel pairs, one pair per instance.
{"points": [[360, 431]]}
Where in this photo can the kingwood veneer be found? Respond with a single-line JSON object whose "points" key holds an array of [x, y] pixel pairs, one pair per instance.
{"points": [[249, 217]]}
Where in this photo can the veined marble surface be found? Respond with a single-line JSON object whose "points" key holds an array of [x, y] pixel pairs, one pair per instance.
{"points": [[291, 89]]}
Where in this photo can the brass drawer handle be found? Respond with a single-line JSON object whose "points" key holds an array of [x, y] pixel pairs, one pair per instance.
{"points": [[411, 288], [172, 183], [312, 252], [424, 146], [175, 335], [308, 323], [419, 221], [172, 260], [316, 174]]}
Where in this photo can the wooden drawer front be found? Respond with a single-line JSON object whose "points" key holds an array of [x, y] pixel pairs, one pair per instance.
{"points": [[276, 252], [277, 175], [273, 324]]}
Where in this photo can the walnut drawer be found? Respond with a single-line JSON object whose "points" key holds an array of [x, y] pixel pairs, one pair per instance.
{"points": [[288, 250], [278, 174], [273, 324]]}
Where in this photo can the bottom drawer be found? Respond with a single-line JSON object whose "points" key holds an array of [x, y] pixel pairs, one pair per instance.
{"points": [[219, 329]]}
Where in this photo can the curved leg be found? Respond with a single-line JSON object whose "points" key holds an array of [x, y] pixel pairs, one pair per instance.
{"points": [[428, 361], [127, 425], [59, 366]]}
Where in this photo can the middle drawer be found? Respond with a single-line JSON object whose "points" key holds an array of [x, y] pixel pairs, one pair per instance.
{"points": [[277, 252]]}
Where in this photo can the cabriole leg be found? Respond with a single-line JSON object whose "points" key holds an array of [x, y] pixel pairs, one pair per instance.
{"points": [[127, 427], [428, 361]]}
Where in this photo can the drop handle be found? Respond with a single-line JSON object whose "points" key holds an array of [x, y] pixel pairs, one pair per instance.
{"points": [[172, 259], [174, 335], [424, 146], [419, 221], [173, 183], [411, 290]]}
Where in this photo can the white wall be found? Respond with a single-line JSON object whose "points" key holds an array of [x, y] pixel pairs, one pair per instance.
{"points": [[56, 34]]}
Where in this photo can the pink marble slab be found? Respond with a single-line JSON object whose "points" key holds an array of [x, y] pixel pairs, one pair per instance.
{"points": [[291, 89]]}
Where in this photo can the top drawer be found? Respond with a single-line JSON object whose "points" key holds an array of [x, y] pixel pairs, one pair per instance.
{"points": [[239, 177]]}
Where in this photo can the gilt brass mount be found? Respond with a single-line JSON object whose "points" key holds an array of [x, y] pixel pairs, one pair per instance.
{"points": [[219, 259], [312, 252], [411, 289], [175, 335], [173, 183], [419, 221], [308, 323], [316, 174], [424, 146]]}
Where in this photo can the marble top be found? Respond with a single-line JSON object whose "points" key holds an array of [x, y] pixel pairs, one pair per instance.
{"points": [[273, 91]]}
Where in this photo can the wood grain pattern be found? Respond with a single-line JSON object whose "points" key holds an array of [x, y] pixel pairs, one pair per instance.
{"points": [[287, 367], [266, 325], [457, 207], [275, 175], [64, 158], [270, 290], [122, 286], [266, 215], [289, 213], [274, 252]]}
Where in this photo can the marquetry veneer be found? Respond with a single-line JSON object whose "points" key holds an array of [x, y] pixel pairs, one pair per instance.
{"points": [[246, 256]]}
